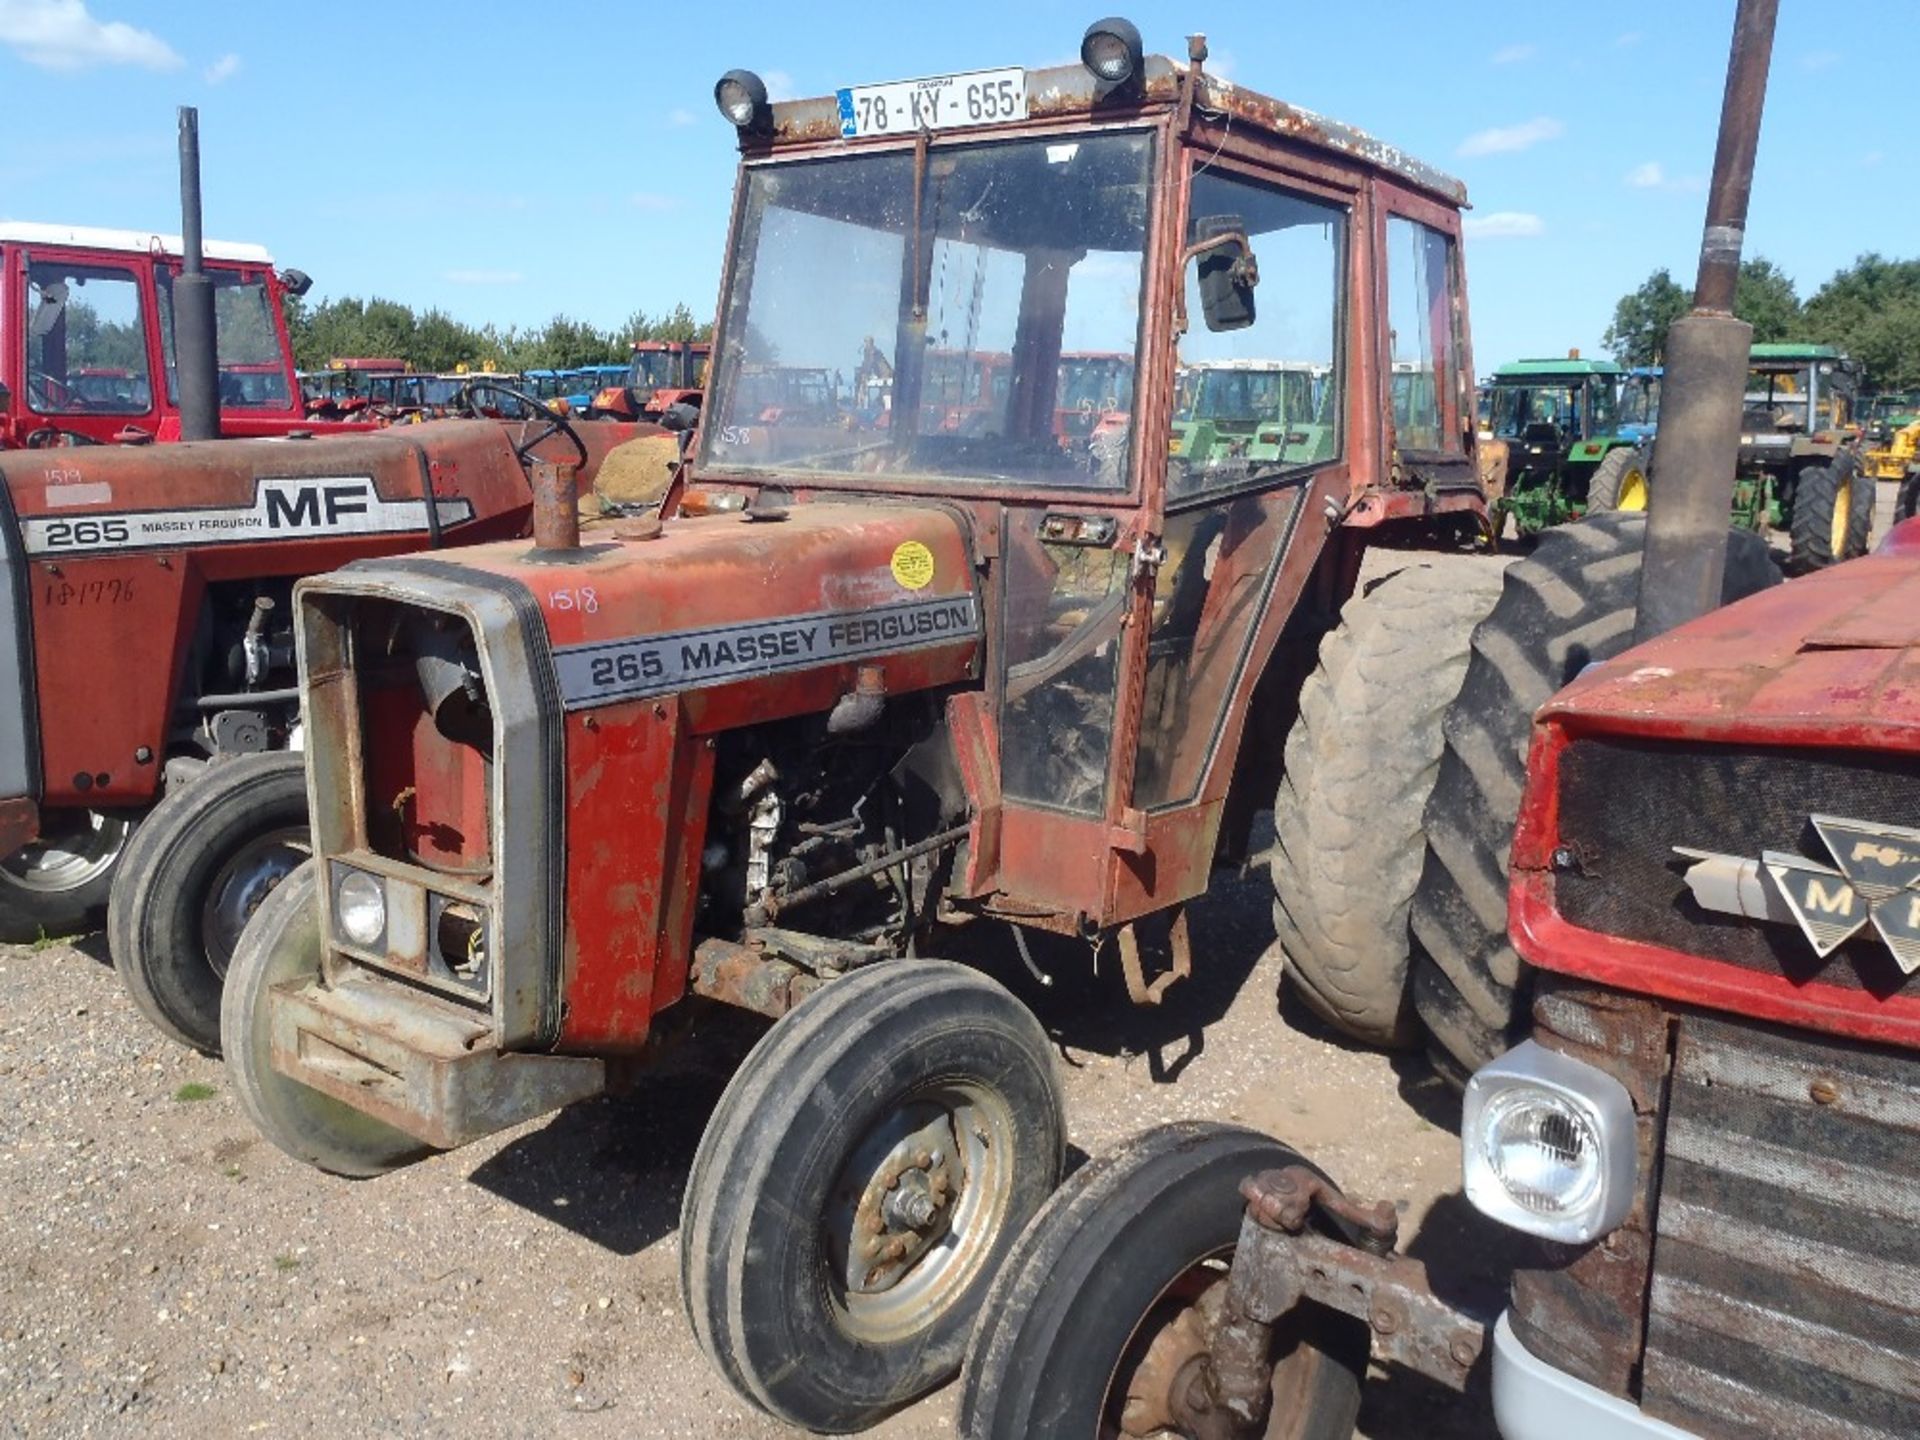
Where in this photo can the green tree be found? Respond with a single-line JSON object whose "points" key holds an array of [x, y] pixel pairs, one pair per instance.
{"points": [[1871, 310], [1765, 299], [1638, 334]]}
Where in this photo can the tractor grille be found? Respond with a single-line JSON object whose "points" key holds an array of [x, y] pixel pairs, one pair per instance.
{"points": [[1786, 1267], [1625, 804]]}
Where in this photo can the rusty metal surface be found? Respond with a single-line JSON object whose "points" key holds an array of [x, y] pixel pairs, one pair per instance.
{"points": [[556, 507], [1732, 182], [421, 1065], [1140, 990], [1287, 1199], [19, 823], [1786, 1287], [748, 979]]}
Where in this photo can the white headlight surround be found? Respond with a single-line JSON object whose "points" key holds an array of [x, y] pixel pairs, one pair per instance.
{"points": [[1549, 1145], [360, 907]]}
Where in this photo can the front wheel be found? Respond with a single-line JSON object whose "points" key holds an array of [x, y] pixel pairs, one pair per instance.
{"points": [[1822, 525], [1096, 1325], [859, 1185], [280, 946], [203, 862], [1619, 481], [58, 885]]}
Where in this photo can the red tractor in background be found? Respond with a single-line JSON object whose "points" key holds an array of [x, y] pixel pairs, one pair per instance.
{"points": [[87, 338], [664, 377]]}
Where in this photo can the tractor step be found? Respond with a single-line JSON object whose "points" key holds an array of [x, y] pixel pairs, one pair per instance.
{"points": [[418, 1063]]}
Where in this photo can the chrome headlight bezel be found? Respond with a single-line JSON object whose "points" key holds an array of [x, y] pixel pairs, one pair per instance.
{"points": [[359, 892], [1593, 1110]]}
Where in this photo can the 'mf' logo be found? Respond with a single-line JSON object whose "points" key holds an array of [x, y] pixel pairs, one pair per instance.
{"points": [[314, 505]]}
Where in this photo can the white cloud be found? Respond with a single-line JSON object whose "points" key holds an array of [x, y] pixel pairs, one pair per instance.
{"points": [[681, 118], [1510, 139], [1629, 40], [222, 70], [1514, 54], [1504, 225], [1647, 177], [780, 85], [484, 277], [62, 35], [1821, 60], [653, 201]]}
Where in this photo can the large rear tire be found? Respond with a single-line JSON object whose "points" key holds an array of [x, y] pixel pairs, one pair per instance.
{"points": [[1092, 1317], [860, 1184], [1361, 760], [1570, 603], [200, 866], [281, 944], [1823, 520], [1866, 495], [58, 885], [1619, 481]]}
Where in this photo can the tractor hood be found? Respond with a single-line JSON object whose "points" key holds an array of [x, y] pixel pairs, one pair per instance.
{"points": [[1829, 659], [750, 618]]}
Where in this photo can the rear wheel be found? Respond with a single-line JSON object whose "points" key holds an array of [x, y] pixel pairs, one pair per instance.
{"points": [[281, 945], [58, 885], [201, 865], [1097, 1322], [1619, 481], [1823, 518], [1866, 494], [859, 1185], [1570, 603], [1360, 762]]}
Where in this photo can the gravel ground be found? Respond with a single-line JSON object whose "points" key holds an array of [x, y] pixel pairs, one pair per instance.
{"points": [[163, 1271]]}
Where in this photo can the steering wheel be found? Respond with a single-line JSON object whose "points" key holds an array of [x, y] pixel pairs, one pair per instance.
{"points": [[556, 423]]}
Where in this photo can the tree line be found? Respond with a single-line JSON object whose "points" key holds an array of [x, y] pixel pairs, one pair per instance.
{"points": [[1871, 310], [433, 340]]}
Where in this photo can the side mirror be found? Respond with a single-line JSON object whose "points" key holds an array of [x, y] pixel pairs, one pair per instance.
{"points": [[298, 282], [1227, 271]]}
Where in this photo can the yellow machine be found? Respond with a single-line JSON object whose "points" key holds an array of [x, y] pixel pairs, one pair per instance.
{"points": [[1892, 460]]}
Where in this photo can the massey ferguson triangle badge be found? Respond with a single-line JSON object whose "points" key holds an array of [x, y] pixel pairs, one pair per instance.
{"points": [[1878, 880]]}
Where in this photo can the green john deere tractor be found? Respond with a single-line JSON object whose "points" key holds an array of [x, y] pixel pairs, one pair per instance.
{"points": [[1559, 422], [1800, 470], [1253, 412]]}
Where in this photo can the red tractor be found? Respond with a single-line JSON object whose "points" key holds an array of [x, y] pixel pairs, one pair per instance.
{"points": [[87, 338], [663, 377], [872, 677]]}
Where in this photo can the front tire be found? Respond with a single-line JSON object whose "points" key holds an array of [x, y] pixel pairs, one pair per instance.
{"points": [[1572, 602], [281, 945], [1619, 481], [201, 865], [1361, 760], [859, 1185], [58, 885], [1823, 519], [1085, 1322]]}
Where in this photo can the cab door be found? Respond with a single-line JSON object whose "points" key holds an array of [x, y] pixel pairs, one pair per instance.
{"points": [[85, 331]]}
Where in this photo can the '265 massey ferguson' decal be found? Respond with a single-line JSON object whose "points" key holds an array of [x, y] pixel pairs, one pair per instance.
{"points": [[284, 508], [606, 671]]}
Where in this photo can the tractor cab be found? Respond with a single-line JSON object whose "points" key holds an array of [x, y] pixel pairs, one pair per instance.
{"points": [[1639, 410], [86, 337], [1800, 468], [660, 375], [1260, 408]]}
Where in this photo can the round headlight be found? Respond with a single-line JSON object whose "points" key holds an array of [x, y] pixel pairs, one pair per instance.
{"points": [[1111, 50], [361, 908], [1542, 1150], [742, 98]]}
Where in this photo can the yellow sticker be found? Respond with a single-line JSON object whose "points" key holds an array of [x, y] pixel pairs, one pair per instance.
{"points": [[912, 564]]}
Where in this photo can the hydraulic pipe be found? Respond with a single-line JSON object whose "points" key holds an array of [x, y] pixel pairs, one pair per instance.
{"points": [[1697, 447], [195, 357]]}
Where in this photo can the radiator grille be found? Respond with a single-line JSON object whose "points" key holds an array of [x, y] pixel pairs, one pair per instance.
{"points": [[1625, 804], [1786, 1268]]}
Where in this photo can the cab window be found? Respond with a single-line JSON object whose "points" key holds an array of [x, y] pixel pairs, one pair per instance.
{"points": [[1420, 311], [86, 341]]}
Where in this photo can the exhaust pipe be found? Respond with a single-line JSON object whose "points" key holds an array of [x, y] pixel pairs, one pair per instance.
{"points": [[195, 358], [1697, 447]]}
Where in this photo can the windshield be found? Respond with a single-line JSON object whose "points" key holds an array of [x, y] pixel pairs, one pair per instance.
{"points": [[86, 340], [858, 344], [252, 373], [1640, 401], [1516, 407]]}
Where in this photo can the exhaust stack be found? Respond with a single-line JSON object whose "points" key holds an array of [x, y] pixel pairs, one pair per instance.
{"points": [[1697, 447], [195, 358]]}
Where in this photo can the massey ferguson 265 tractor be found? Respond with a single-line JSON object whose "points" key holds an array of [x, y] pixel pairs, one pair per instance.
{"points": [[870, 676]]}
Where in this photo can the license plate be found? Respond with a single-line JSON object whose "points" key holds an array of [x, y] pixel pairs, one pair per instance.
{"points": [[939, 102]]}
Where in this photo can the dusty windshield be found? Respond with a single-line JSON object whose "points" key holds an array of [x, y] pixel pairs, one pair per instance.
{"points": [[1640, 401], [252, 372], [1516, 408], [860, 343]]}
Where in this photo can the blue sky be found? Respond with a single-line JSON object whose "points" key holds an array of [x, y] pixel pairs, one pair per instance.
{"points": [[507, 162]]}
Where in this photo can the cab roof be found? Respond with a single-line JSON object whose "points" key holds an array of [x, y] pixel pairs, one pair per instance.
{"points": [[130, 242], [1536, 369], [1066, 91], [1795, 351]]}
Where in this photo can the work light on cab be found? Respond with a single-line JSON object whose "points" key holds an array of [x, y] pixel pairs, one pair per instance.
{"points": [[1111, 49], [742, 98]]}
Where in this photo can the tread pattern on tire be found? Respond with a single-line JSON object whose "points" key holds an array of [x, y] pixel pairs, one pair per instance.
{"points": [[1603, 489], [1572, 602], [1360, 760], [1816, 493]]}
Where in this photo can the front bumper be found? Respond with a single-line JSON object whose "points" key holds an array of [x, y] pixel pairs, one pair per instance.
{"points": [[1534, 1401], [422, 1065]]}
